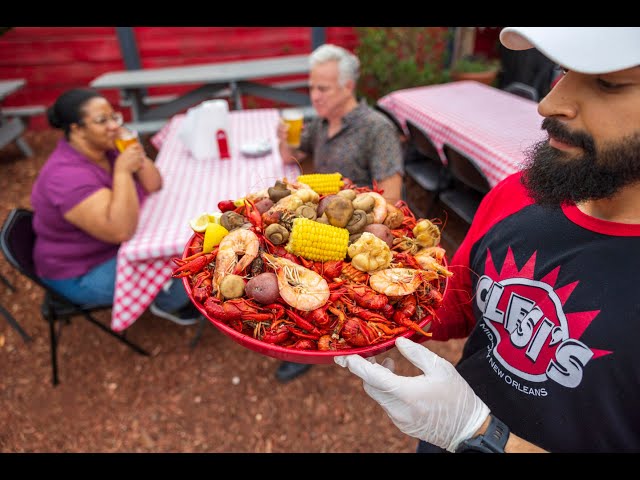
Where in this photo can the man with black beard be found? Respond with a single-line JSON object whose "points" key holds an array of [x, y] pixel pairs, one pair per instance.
{"points": [[546, 280]]}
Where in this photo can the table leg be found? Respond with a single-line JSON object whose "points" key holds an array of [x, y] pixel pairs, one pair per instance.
{"points": [[135, 96], [24, 146], [236, 94], [12, 321]]}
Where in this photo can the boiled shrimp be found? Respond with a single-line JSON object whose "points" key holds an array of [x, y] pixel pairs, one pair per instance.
{"points": [[429, 259], [240, 242], [300, 287], [397, 282]]}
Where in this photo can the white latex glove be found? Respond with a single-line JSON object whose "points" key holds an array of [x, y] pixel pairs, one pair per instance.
{"points": [[438, 406]]}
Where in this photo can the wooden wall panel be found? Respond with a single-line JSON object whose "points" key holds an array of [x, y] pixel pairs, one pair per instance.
{"points": [[54, 59]]}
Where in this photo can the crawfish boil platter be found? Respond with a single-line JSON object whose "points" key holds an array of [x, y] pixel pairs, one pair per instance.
{"points": [[314, 268]]}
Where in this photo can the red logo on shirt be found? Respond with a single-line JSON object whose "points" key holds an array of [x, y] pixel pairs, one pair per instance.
{"points": [[536, 339]]}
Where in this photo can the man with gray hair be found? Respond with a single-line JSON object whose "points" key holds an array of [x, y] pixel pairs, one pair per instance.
{"points": [[545, 283], [347, 136]]}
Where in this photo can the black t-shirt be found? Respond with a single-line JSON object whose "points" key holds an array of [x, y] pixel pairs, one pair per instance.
{"points": [[553, 322]]}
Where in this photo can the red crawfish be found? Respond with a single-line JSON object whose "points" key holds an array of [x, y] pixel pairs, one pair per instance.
{"points": [[406, 260], [357, 332], [201, 285], [304, 344], [405, 309], [319, 316], [365, 314], [193, 264], [253, 215], [327, 342], [366, 297], [280, 251], [276, 334], [234, 311], [302, 323]]}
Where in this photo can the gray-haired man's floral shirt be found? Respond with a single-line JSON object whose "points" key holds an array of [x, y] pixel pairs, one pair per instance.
{"points": [[366, 148]]}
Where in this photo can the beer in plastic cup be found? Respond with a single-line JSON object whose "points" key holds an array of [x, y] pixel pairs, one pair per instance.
{"points": [[125, 138], [294, 119]]}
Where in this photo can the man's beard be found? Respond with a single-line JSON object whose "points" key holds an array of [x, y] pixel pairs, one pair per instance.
{"points": [[554, 179]]}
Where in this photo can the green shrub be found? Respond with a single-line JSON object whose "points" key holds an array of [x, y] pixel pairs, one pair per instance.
{"points": [[393, 58], [475, 64]]}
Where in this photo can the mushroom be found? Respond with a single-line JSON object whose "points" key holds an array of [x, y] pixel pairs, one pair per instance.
{"points": [[357, 222]]}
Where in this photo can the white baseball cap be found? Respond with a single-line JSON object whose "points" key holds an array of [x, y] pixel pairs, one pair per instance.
{"points": [[590, 50]]}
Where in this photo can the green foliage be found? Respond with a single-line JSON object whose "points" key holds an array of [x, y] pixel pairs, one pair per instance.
{"points": [[393, 58], [475, 64]]}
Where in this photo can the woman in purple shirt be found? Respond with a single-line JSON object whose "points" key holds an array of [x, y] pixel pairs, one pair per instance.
{"points": [[87, 201]]}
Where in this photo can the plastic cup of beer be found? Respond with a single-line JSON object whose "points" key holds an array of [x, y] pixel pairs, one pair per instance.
{"points": [[293, 118], [125, 138]]}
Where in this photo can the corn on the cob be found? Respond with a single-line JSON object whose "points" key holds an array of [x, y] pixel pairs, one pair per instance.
{"points": [[323, 183], [317, 241]]}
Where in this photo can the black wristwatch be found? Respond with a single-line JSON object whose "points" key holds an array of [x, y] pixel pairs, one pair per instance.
{"points": [[492, 441]]}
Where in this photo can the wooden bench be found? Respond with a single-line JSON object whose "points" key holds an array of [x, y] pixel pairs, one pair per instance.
{"points": [[147, 127], [23, 112]]}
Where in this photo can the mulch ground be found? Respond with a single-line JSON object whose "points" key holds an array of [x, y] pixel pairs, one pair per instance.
{"points": [[215, 397]]}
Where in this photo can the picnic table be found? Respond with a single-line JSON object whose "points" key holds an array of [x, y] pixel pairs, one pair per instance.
{"points": [[215, 79], [492, 126]]}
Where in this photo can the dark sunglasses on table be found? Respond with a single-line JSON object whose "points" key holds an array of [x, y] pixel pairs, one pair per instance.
{"points": [[116, 117]]}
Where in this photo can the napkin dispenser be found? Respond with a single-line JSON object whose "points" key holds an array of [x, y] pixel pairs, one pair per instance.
{"points": [[205, 130]]}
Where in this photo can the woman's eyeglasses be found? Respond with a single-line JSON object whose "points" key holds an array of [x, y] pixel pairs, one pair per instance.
{"points": [[116, 117]]}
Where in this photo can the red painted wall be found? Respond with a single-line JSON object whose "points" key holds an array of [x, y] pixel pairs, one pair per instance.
{"points": [[54, 59]]}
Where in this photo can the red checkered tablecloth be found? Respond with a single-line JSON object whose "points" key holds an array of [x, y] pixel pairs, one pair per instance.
{"points": [[190, 187], [492, 126]]}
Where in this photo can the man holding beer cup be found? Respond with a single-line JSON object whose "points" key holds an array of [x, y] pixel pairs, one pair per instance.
{"points": [[347, 137]]}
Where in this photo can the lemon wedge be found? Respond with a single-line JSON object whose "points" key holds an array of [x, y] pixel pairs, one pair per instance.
{"points": [[199, 223], [215, 217], [213, 235]]}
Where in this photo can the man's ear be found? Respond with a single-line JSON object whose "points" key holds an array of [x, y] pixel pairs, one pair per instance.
{"points": [[350, 85]]}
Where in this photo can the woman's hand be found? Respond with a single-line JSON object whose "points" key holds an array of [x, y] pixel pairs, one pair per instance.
{"points": [[131, 159]]}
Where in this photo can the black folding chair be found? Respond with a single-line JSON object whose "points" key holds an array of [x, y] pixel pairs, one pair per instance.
{"points": [[522, 90], [17, 240], [7, 283], [5, 313], [387, 113], [426, 176], [14, 324], [468, 184]]}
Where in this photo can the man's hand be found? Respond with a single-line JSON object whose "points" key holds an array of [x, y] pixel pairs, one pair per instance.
{"points": [[438, 406], [281, 132]]}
